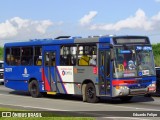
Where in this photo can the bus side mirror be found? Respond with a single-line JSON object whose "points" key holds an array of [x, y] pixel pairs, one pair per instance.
{"points": [[112, 54]]}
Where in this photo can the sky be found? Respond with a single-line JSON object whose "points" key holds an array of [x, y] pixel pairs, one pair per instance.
{"points": [[22, 20]]}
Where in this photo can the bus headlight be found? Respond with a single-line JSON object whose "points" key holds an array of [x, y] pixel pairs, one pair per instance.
{"points": [[152, 87], [122, 87], [122, 90]]}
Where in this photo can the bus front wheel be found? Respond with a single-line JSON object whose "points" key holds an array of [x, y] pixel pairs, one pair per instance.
{"points": [[90, 93], [34, 89]]}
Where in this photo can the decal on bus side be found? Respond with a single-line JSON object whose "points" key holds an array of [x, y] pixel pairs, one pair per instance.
{"points": [[66, 76], [25, 73], [8, 69]]}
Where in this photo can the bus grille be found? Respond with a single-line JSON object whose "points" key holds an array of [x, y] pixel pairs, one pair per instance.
{"points": [[138, 91]]}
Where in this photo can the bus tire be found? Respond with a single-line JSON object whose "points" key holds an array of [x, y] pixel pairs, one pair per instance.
{"points": [[90, 93], [83, 92], [34, 89], [126, 98]]}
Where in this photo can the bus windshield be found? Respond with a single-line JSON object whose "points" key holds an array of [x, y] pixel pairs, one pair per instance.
{"points": [[133, 61], [1, 65]]}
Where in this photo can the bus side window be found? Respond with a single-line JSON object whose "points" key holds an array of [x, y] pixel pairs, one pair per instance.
{"points": [[62, 60], [8, 56], [27, 56], [46, 59], [53, 59], [39, 62], [38, 56], [87, 54], [68, 55], [15, 54], [84, 60]]}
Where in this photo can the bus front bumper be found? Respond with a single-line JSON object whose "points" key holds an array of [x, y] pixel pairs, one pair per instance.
{"points": [[118, 91]]}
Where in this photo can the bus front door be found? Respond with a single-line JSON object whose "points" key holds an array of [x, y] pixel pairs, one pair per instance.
{"points": [[49, 71], [104, 71]]}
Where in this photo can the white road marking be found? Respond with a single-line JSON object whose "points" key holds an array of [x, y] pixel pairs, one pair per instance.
{"points": [[50, 109], [144, 109], [42, 108]]}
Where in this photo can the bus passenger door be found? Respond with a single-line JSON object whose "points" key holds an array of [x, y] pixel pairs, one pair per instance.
{"points": [[49, 71], [104, 71]]}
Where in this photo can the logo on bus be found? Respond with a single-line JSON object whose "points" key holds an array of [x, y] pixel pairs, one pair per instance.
{"points": [[25, 73], [63, 72], [66, 72]]}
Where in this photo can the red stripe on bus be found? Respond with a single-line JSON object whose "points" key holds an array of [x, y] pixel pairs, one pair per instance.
{"points": [[123, 82], [46, 83]]}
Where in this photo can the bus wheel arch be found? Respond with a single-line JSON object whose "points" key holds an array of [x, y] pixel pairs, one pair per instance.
{"points": [[89, 92], [30, 80], [33, 87]]}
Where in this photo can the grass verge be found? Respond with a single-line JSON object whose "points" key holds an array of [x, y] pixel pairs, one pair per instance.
{"points": [[54, 116]]}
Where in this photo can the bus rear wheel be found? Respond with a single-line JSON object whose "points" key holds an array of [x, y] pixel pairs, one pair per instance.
{"points": [[90, 93], [34, 89]]}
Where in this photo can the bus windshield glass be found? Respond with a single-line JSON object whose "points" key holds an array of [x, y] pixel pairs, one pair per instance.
{"points": [[133, 61], [1, 65]]}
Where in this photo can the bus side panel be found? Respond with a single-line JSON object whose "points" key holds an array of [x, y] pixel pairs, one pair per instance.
{"points": [[65, 79], [41, 86], [69, 78], [85, 73], [17, 85], [17, 78]]}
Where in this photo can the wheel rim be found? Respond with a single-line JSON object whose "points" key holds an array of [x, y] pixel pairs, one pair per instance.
{"points": [[90, 92], [34, 89]]}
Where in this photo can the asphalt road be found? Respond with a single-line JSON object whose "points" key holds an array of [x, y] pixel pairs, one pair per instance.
{"points": [[107, 108]]}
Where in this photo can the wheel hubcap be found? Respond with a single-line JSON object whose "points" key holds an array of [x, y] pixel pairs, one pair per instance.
{"points": [[34, 89], [90, 93]]}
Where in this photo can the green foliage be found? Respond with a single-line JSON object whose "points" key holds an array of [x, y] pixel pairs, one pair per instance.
{"points": [[156, 52], [54, 116], [1, 53]]}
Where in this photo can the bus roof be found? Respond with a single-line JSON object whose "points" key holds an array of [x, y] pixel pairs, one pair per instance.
{"points": [[71, 40], [40, 42]]}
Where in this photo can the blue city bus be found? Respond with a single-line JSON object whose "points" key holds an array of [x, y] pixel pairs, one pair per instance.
{"points": [[123, 66]]}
